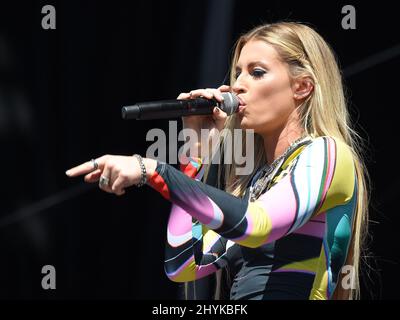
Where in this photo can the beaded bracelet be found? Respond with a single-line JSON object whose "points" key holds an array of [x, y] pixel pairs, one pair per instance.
{"points": [[143, 178]]}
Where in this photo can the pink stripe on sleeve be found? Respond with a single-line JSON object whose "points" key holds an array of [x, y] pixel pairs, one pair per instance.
{"points": [[180, 222], [281, 206]]}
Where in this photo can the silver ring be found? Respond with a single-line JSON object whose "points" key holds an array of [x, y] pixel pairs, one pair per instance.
{"points": [[104, 181], [95, 164]]}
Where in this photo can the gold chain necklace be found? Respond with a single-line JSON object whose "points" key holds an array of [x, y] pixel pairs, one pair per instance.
{"points": [[269, 171]]}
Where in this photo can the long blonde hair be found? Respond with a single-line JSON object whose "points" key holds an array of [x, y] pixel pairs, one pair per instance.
{"points": [[323, 113]]}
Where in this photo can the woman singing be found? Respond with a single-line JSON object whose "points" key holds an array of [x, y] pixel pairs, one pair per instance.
{"points": [[292, 229]]}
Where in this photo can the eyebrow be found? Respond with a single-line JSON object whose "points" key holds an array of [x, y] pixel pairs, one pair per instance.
{"points": [[253, 63]]}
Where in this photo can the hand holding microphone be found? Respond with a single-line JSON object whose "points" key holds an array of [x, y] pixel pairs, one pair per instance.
{"points": [[216, 118], [199, 102], [199, 109]]}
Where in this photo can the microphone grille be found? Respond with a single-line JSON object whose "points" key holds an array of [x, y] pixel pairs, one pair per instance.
{"points": [[230, 104]]}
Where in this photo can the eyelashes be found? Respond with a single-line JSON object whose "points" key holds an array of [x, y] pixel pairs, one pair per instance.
{"points": [[258, 73], [255, 73]]}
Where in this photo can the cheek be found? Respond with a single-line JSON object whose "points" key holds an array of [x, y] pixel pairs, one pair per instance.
{"points": [[272, 103], [275, 95]]}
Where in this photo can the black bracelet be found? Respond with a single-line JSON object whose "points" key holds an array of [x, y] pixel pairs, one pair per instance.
{"points": [[143, 178]]}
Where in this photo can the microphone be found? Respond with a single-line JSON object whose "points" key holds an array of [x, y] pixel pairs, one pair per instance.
{"points": [[180, 108]]}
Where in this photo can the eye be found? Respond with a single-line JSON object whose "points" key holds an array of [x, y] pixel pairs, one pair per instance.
{"points": [[258, 73], [237, 74]]}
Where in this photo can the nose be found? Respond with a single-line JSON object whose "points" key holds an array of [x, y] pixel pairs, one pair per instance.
{"points": [[238, 87]]}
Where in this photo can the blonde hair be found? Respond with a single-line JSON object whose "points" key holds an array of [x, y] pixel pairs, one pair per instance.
{"points": [[323, 113]]}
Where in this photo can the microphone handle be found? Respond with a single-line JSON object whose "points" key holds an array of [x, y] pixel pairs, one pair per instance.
{"points": [[169, 109]]}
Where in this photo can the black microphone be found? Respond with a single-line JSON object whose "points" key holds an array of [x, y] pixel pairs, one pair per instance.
{"points": [[180, 108]]}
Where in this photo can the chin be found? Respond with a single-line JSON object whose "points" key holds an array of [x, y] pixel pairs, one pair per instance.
{"points": [[244, 124]]}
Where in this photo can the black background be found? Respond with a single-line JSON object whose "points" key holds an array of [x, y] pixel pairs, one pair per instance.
{"points": [[61, 93]]}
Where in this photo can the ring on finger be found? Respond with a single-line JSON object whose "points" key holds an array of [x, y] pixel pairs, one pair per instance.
{"points": [[95, 164], [104, 181]]}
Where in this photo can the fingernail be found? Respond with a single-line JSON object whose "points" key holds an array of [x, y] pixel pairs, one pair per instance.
{"points": [[67, 172], [216, 109]]}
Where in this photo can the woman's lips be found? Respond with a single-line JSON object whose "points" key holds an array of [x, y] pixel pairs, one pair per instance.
{"points": [[242, 104]]}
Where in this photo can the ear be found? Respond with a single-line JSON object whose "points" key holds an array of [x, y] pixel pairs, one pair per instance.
{"points": [[302, 87]]}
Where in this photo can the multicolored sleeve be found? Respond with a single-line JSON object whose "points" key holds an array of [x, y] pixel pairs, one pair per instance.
{"points": [[322, 177], [192, 250]]}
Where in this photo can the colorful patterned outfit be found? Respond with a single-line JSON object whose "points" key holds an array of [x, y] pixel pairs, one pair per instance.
{"points": [[293, 240]]}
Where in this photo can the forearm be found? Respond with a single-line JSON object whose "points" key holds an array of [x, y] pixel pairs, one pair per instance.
{"points": [[150, 165], [203, 202], [179, 229]]}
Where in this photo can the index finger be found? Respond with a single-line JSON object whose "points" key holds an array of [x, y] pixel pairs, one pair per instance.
{"points": [[86, 167], [183, 95], [224, 88]]}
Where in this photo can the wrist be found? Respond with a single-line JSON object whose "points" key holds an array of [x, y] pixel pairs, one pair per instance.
{"points": [[150, 165], [147, 167], [142, 179]]}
